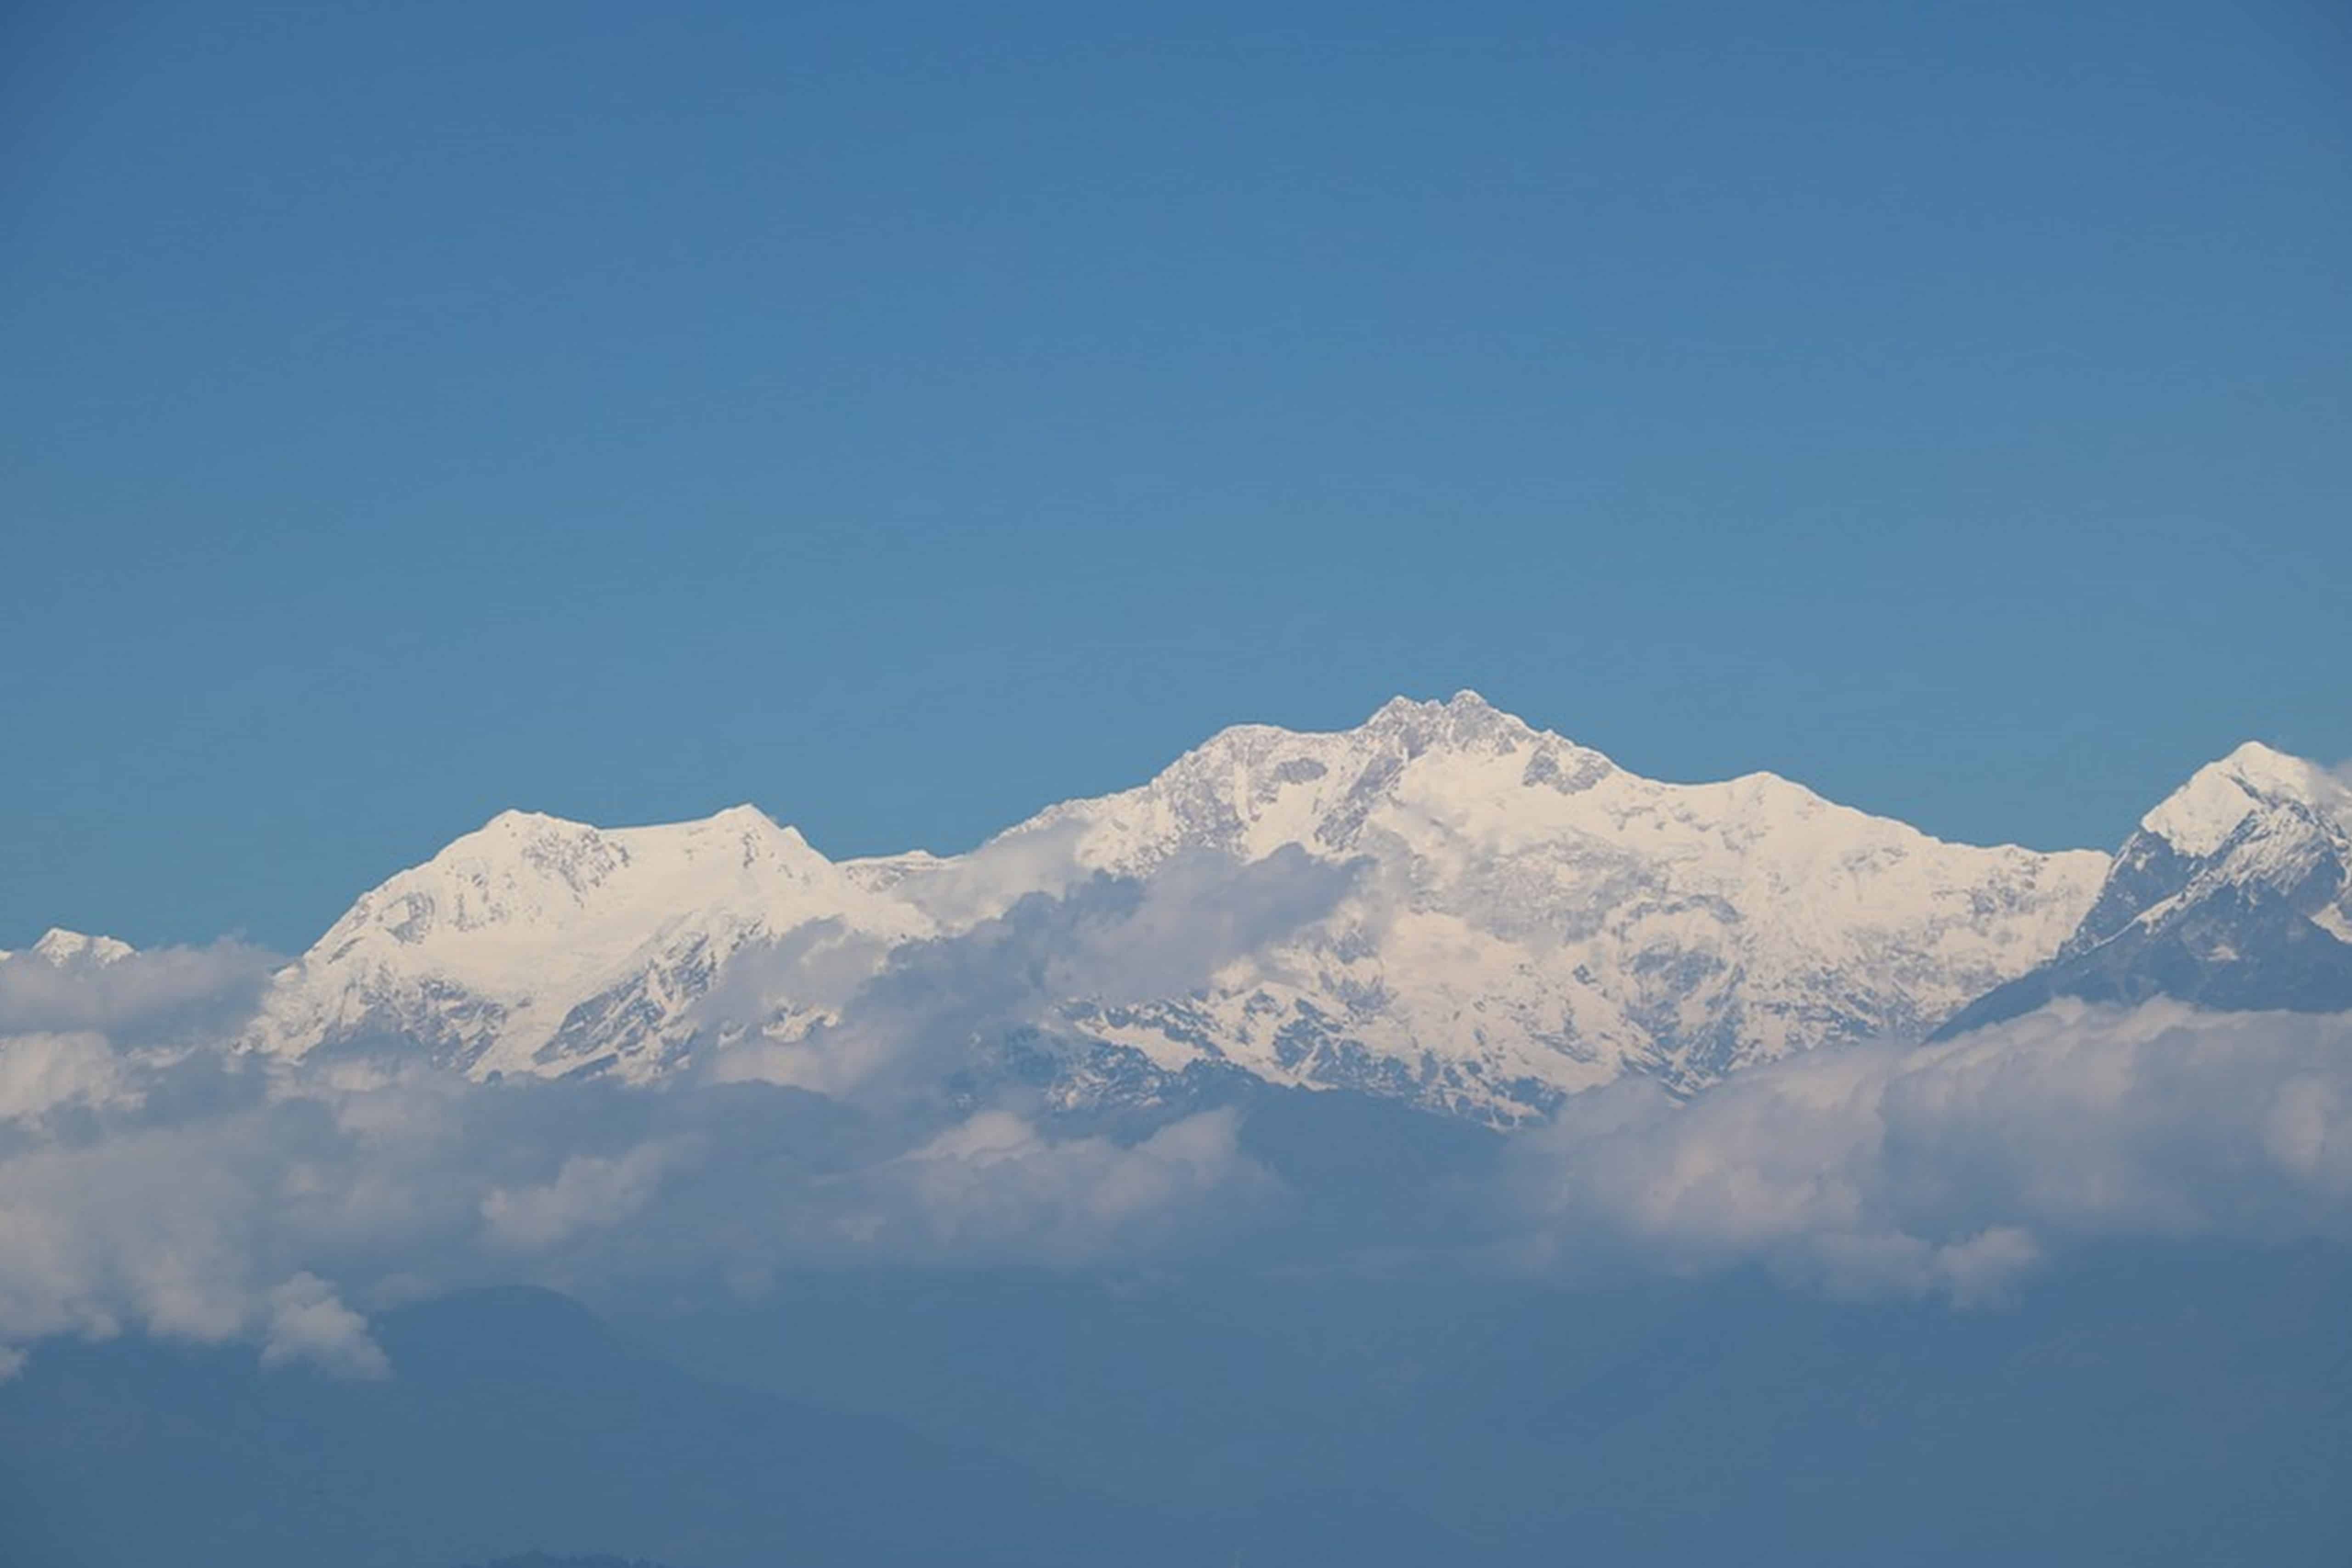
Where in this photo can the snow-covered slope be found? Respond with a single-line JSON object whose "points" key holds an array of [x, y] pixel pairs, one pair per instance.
{"points": [[2236, 892], [538, 945], [1529, 919], [1444, 904]]}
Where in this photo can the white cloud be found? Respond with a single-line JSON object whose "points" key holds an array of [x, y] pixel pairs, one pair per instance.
{"points": [[217, 1197], [42, 1073], [170, 992], [204, 1195], [589, 1192], [1104, 939], [995, 1185], [1952, 1168], [308, 1323]]}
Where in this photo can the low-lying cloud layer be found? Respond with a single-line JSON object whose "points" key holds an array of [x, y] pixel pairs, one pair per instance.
{"points": [[152, 1180], [268, 1200], [137, 999], [1953, 1167]]}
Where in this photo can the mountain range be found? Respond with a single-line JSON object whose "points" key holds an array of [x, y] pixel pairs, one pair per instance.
{"points": [[1443, 906]]}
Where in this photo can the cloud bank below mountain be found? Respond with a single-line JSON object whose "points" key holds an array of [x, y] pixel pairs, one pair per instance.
{"points": [[149, 1182], [1954, 1167]]}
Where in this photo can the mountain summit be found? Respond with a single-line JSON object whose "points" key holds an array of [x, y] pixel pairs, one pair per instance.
{"points": [[2235, 892], [533, 944], [1444, 904]]}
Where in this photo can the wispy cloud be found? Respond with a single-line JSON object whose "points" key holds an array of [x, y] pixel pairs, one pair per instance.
{"points": [[1110, 940]]}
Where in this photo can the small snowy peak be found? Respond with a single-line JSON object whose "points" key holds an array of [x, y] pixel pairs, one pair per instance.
{"points": [[1464, 721], [2200, 817], [2276, 775], [2236, 892], [2258, 821], [71, 948]]}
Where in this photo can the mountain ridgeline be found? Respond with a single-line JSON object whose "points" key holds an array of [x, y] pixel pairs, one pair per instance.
{"points": [[1443, 906]]}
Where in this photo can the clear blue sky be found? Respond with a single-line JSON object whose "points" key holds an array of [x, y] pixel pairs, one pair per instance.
{"points": [[904, 416]]}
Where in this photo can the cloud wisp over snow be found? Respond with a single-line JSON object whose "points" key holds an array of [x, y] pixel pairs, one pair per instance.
{"points": [[1116, 940], [152, 1180]]}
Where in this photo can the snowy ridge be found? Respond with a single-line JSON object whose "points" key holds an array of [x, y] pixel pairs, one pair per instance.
{"points": [[1511, 917], [1535, 919]]}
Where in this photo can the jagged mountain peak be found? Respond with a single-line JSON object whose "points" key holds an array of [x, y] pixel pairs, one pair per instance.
{"points": [[1464, 719], [1252, 788], [1479, 774]]}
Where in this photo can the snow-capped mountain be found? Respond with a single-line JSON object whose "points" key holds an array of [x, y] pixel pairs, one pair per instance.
{"points": [[1444, 905], [2236, 892], [62, 948], [536, 945]]}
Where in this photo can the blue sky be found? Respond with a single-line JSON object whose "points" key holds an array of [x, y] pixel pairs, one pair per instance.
{"points": [[904, 416]]}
